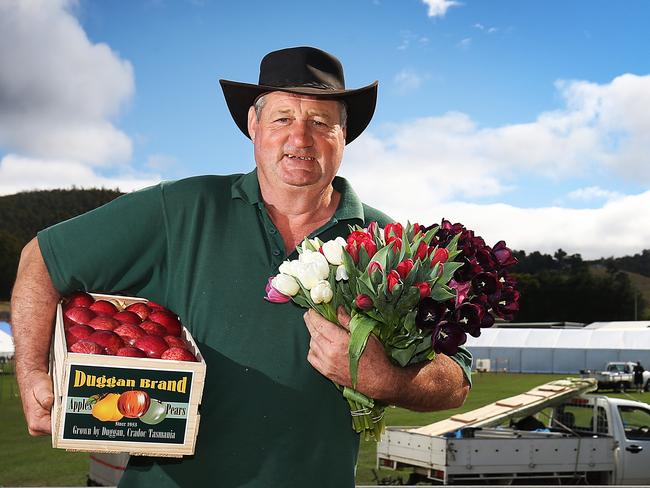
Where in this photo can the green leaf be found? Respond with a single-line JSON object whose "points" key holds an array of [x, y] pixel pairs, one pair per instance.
{"points": [[402, 356], [442, 293], [361, 326], [301, 300]]}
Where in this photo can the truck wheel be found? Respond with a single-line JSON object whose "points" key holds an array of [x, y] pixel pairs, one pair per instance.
{"points": [[620, 387], [647, 386]]}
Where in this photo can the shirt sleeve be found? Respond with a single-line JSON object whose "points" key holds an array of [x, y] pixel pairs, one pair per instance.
{"points": [[118, 247]]}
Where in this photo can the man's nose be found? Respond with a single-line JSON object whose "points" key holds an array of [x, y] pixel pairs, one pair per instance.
{"points": [[301, 135]]}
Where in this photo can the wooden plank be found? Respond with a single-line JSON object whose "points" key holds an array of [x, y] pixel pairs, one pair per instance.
{"points": [[519, 405]]}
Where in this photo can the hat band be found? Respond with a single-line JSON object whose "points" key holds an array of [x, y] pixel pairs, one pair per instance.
{"points": [[293, 84]]}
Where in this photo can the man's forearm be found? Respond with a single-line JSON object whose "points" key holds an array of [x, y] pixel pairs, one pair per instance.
{"points": [[433, 385], [33, 306]]}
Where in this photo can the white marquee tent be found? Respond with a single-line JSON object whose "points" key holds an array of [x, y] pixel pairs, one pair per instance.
{"points": [[561, 350], [6, 345]]}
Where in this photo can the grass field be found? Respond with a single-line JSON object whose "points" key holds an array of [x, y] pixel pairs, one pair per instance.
{"points": [[30, 461]]}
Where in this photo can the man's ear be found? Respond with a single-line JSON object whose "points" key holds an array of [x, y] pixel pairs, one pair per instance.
{"points": [[252, 123]]}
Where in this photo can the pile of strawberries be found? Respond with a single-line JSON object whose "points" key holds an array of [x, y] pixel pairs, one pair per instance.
{"points": [[143, 329]]}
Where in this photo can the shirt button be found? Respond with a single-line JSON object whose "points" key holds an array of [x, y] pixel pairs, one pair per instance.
{"points": [[276, 252], [272, 231]]}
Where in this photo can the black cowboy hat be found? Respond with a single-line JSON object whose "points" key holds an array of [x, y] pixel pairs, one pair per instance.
{"points": [[308, 71]]}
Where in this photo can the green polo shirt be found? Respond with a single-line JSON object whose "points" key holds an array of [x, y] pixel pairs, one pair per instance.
{"points": [[205, 247]]}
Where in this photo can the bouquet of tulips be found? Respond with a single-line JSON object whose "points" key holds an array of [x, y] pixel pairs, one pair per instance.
{"points": [[419, 290]]}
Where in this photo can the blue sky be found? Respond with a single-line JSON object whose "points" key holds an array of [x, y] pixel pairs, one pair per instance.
{"points": [[526, 120]]}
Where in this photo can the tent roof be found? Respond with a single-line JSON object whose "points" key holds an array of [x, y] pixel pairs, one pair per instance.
{"points": [[630, 339], [620, 325], [6, 343]]}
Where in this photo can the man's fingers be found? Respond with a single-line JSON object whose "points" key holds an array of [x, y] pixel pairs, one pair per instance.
{"points": [[43, 396], [343, 317]]}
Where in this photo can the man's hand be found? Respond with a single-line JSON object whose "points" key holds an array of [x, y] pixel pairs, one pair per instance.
{"points": [[33, 306], [431, 385], [328, 353], [37, 397]]}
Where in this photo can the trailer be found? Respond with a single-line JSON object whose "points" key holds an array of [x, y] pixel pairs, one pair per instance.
{"points": [[555, 433]]}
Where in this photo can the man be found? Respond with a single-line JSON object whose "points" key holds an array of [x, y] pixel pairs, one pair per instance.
{"points": [[638, 377], [204, 247]]}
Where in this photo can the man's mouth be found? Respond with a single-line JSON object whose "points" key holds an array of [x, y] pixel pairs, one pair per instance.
{"points": [[301, 158]]}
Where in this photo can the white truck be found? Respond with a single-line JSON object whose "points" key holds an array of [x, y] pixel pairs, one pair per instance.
{"points": [[555, 433], [619, 376]]}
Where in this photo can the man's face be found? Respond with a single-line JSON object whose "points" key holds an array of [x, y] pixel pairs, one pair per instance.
{"points": [[298, 140]]}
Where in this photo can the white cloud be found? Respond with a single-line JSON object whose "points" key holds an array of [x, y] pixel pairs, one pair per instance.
{"points": [[19, 173], [57, 89], [408, 80], [465, 43], [441, 163], [59, 94], [591, 193], [438, 8], [161, 161]]}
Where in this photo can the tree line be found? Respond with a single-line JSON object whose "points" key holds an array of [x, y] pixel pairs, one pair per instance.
{"points": [[559, 287]]}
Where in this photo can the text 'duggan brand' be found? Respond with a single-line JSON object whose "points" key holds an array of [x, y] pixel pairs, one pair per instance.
{"points": [[127, 404]]}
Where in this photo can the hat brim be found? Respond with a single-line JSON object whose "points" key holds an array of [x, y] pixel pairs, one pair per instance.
{"points": [[360, 102]]}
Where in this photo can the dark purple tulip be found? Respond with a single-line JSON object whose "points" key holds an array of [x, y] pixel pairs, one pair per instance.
{"points": [[449, 338], [485, 283], [430, 313], [504, 254], [469, 316]]}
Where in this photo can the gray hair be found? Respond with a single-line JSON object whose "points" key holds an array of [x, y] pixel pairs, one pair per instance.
{"points": [[261, 101]]}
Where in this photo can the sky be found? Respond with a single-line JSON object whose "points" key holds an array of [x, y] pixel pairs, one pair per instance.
{"points": [[527, 121]]}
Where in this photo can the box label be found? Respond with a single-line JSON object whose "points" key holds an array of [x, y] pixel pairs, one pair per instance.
{"points": [[127, 404]]}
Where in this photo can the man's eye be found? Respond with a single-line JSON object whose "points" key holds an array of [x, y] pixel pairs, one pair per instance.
{"points": [[319, 123], [282, 119]]}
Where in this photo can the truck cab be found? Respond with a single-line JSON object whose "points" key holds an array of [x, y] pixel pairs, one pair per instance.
{"points": [[626, 421]]}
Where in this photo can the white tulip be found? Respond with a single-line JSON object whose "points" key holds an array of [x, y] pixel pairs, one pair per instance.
{"points": [[333, 250], [316, 258], [308, 274], [289, 267], [285, 284], [321, 293], [341, 273], [310, 244]]}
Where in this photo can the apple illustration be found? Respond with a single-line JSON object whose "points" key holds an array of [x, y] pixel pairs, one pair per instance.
{"points": [[129, 333], [133, 403], [168, 320], [153, 346], [178, 354], [85, 346], [104, 322], [108, 339]]}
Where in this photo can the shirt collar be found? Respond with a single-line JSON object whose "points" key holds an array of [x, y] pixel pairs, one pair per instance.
{"points": [[247, 188]]}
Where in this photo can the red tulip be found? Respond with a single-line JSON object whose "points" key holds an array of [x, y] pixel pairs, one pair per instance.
{"points": [[394, 229], [404, 268], [422, 251], [364, 302], [358, 239], [439, 256], [393, 279], [425, 289]]}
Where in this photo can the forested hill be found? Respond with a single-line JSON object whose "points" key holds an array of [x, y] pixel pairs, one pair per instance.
{"points": [[22, 215]]}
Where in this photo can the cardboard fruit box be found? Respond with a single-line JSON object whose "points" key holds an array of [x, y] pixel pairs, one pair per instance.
{"points": [[158, 399]]}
